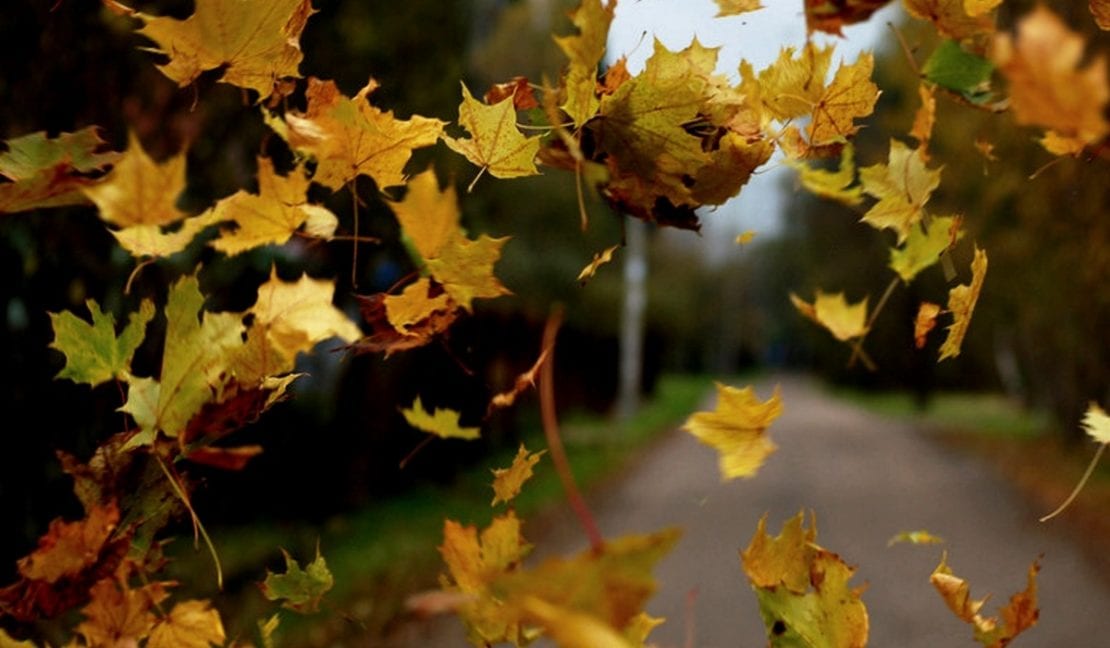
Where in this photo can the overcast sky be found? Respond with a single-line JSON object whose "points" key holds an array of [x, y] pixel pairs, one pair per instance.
{"points": [[756, 36]]}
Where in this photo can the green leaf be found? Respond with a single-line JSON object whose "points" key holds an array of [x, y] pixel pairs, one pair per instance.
{"points": [[923, 247], [301, 589], [951, 67], [94, 354]]}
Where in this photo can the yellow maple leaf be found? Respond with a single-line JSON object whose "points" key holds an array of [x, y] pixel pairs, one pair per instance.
{"points": [[443, 423], [836, 185], [273, 215], [850, 95], [792, 85], [600, 259], [1018, 615], [736, 7], [903, 186], [980, 7], [961, 303], [350, 137], [138, 190], [68, 548], [256, 41], [571, 628], [522, 383], [414, 305], [923, 247], [592, 18], [298, 315], [50, 171], [736, 429], [1100, 10], [950, 17], [832, 311], [190, 624], [496, 144], [1047, 86], [465, 268], [802, 589], [508, 481], [924, 119], [1097, 423], [429, 217], [117, 614]]}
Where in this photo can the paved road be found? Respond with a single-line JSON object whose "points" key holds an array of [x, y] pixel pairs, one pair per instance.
{"points": [[867, 478]]}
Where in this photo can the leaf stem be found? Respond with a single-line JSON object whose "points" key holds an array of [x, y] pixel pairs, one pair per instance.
{"points": [[1079, 486], [354, 253], [857, 346], [581, 201], [198, 526], [551, 432]]}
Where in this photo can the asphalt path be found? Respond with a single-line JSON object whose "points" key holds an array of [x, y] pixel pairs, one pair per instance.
{"points": [[866, 478]]}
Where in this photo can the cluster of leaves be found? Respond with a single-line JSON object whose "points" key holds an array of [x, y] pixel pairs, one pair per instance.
{"points": [[658, 145]]}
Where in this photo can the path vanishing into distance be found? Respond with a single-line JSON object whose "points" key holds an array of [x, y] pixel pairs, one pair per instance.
{"points": [[867, 478]]}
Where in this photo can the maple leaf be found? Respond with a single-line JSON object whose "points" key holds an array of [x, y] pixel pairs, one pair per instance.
{"points": [[736, 7], [351, 137], [1018, 615], [924, 322], [193, 361], [299, 589], [961, 303], [570, 628], [923, 247], [523, 382], [792, 85], [600, 259], [953, 68], [68, 548], [903, 187], [140, 191], [831, 310], [915, 538], [1100, 10], [518, 88], [850, 95], [1047, 87], [1097, 423], [736, 429], [383, 337], [465, 268], [119, 615], [94, 354], [830, 15], [190, 624], [50, 172], [802, 589], [980, 7], [443, 423], [414, 305], [508, 481], [951, 18], [298, 315], [429, 217], [273, 215], [153, 241], [836, 185], [496, 144], [924, 118], [255, 41], [592, 18]]}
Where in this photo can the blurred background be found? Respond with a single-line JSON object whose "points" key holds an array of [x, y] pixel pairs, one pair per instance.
{"points": [[714, 307]]}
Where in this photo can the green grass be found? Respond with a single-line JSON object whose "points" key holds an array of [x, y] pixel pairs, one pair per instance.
{"points": [[385, 551], [975, 413]]}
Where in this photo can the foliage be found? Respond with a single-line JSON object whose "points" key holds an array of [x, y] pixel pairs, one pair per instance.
{"points": [[658, 145]]}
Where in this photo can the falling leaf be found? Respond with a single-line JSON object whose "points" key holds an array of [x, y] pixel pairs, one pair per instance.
{"points": [[1100, 10], [465, 268], [496, 144], [736, 428], [745, 237], [736, 7], [255, 42], [523, 383], [791, 86], [640, 627], [851, 95], [585, 49], [980, 7], [986, 149], [518, 88], [600, 259], [300, 590], [961, 303], [429, 217], [119, 615], [190, 624], [383, 337], [67, 548], [50, 171], [924, 322], [950, 18], [415, 305], [924, 119], [140, 191], [298, 315], [839, 185], [94, 354], [508, 481], [1047, 86], [1018, 615], [923, 247], [350, 137], [802, 589], [832, 311], [830, 15], [225, 458], [1097, 423], [914, 537], [903, 187], [953, 68], [273, 215], [571, 628], [443, 423]]}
